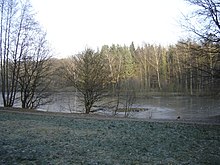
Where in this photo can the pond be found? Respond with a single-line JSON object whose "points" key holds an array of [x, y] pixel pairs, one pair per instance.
{"points": [[185, 107], [169, 107]]}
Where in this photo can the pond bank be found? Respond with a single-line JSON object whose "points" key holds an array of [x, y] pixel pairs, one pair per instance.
{"points": [[209, 120]]}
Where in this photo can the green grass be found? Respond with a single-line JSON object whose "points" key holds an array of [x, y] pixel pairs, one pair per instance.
{"points": [[38, 139]]}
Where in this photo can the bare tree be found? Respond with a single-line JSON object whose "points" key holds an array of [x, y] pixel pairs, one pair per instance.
{"points": [[23, 54], [16, 23], [34, 76], [89, 76], [130, 97], [205, 18]]}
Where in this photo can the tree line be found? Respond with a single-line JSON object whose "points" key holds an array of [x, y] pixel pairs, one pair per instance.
{"points": [[186, 68]]}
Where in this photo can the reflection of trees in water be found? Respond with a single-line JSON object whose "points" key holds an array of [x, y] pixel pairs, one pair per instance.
{"points": [[190, 107]]}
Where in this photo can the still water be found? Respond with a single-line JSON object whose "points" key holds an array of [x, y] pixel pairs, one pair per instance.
{"points": [[155, 107], [185, 107]]}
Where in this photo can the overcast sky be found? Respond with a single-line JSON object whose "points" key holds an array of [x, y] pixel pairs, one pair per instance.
{"points": [[73, 25]]}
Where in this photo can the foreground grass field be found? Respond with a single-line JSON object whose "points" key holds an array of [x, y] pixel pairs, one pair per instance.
{"points": [[55, 139]]}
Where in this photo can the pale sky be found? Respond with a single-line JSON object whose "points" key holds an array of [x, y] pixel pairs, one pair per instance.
{"points": [[73, 25]]}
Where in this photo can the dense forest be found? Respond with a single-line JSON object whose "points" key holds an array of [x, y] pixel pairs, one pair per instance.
{"points": [[187, 67]]}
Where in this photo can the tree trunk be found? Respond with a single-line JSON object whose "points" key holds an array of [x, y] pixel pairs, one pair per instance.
{"points": [[158, 78]]}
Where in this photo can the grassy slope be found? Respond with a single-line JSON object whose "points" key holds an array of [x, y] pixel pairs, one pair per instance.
{"points": [[49, 139]]}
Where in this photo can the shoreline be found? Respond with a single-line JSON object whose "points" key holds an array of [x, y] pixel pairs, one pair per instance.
{"points": [[213, 120]]}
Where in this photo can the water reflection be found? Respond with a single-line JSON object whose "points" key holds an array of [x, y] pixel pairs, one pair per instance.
{"points": [[186, 107], [157, 107]]}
